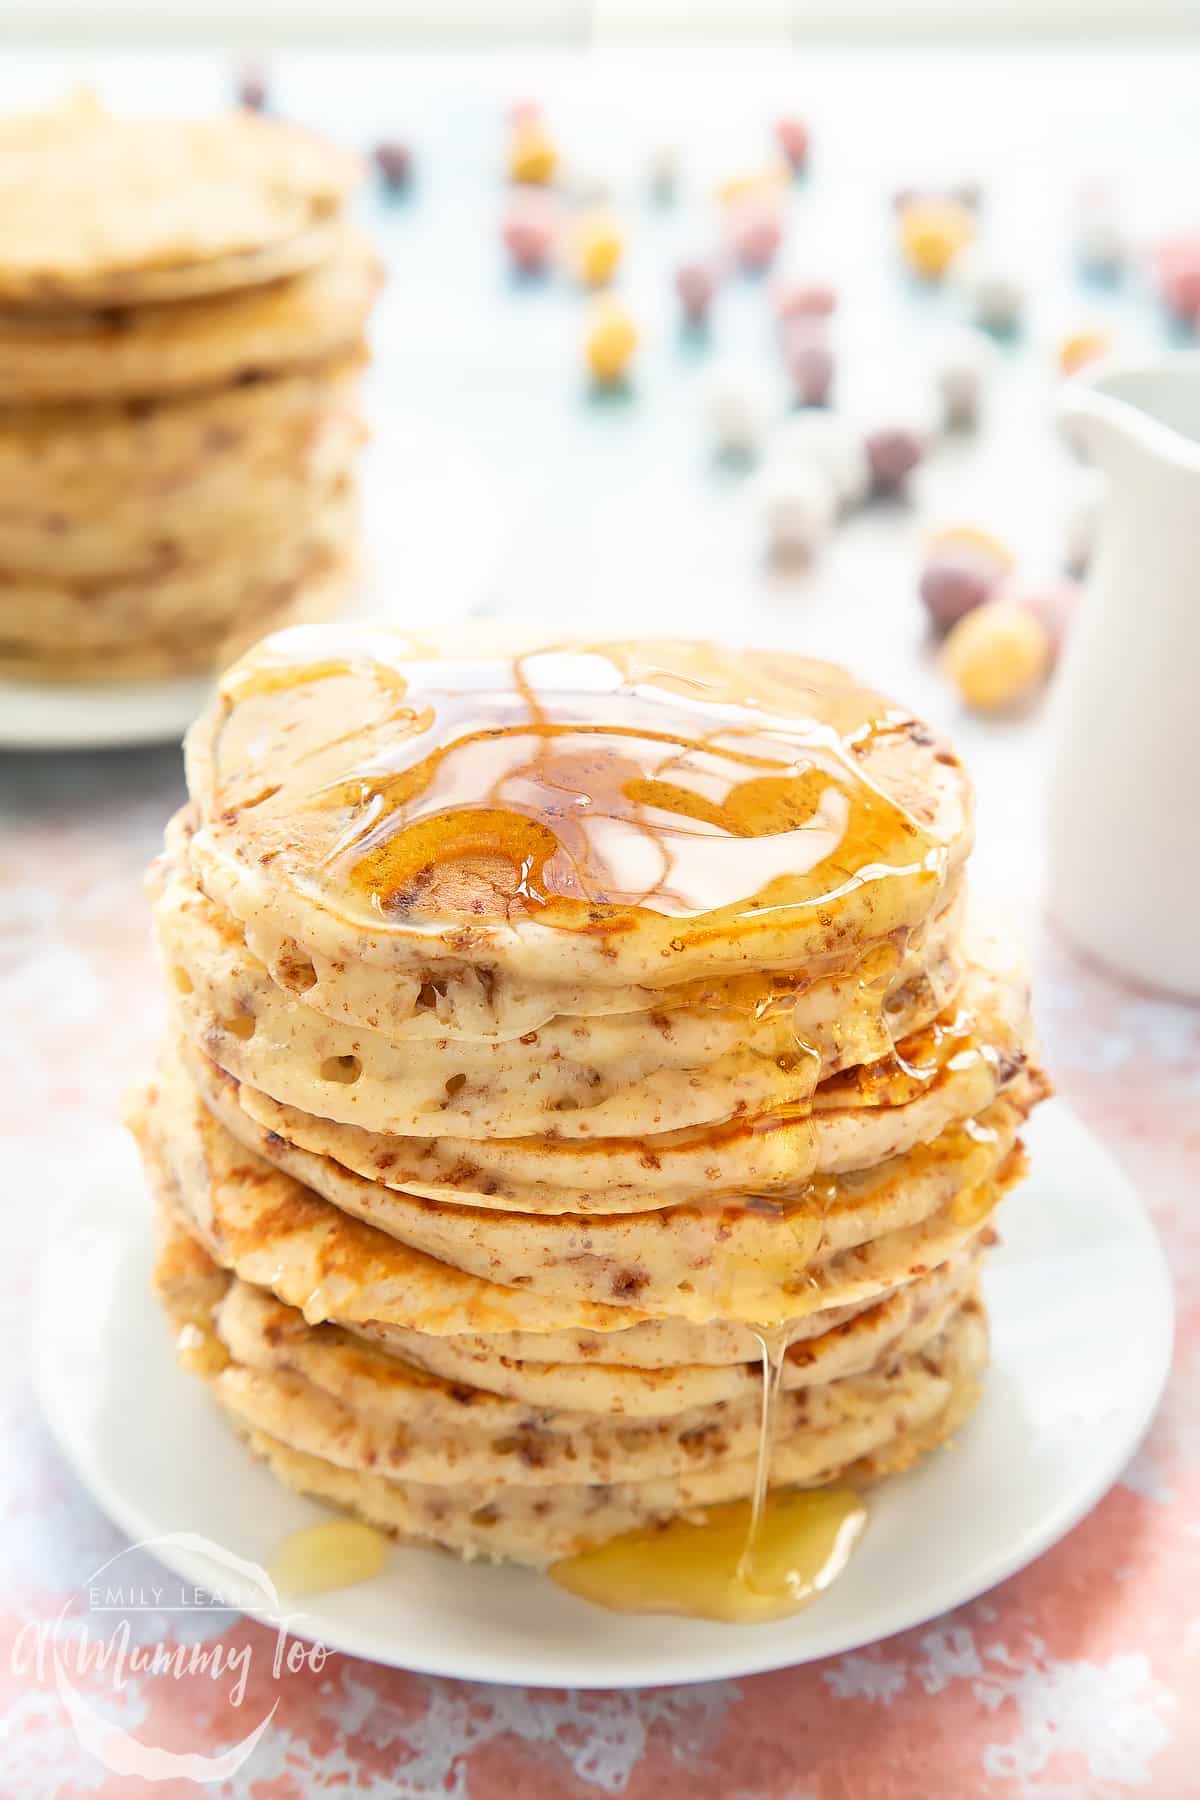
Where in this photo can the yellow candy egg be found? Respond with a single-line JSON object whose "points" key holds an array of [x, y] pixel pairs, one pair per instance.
{"points": [[756, 184], [975, 540], [1081, 348], [997, 656], [532, 156], [595, 248], [611, 341], [932, 232]]}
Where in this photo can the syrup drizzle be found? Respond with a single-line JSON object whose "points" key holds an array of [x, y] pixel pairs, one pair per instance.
{"points": [[740, 1562], [672, 778]]}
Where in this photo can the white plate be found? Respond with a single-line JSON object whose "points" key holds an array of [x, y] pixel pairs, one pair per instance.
{"points": [[38, 715], [1066, 1402]]}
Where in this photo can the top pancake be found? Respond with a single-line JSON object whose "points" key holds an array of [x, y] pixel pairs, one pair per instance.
{"points": [[570, 817], [97, 210]]}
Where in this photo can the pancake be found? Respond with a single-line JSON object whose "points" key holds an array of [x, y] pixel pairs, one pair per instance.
{"points": [[743, 811], [857, 1012], [216, 341], [99, 210], [136, 489], [743, 1259], [537, 1527], [738, 1262], [689, 1064], [559, 1397], [210, 594], [364, 1411], [946, 1072], [320, 590]]}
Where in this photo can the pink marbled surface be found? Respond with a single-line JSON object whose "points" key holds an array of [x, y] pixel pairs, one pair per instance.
{"points": [[1076, 1678]]}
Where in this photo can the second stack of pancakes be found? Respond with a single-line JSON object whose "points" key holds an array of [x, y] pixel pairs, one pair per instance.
{"points": [[552, 1034], [182, 314]]}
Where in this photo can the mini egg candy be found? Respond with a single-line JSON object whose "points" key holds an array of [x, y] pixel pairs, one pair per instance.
{"points": [[530, 230], [756, 232], [662, 174], [1053, 606], [994, 297], [696, 284], [932, 233], [1080, 348], [532, 154], [1178, 266], [737, 410], [1100, 246], [953, 583], [595, 248], [393, 160], [250, 88], [830, 443], [811, 368], [610, 343], [997, 656], [798, 507], [893, 452], [972, 538], [758, 185], [791, 134], [959, 373], [803, 300]]}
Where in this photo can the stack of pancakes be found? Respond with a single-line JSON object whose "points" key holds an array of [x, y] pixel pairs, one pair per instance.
{"points": [[182, 308], [558, 1041]]}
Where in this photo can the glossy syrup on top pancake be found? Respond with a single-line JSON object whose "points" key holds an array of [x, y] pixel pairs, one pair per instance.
{"points": [[572, 785]]}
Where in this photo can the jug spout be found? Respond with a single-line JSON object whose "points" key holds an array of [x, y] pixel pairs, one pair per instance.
{"points": [[1122, 414], [1095, 425]]}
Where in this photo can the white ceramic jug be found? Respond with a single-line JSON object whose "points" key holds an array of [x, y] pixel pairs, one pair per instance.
{"points": [[1124, 800]]}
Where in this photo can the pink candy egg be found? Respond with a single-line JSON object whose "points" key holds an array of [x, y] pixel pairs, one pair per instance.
{"points": [[1178, 263], [810, 365], [250, 88], [696, 284], [530, 231], [756, 234], [1053, 606], [953, 583], [791, 134], [804, 300], [893, 452], [393, 160]]}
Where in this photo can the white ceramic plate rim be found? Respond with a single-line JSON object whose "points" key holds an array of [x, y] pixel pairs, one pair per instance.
{"points": [[1076, 1189], [98, 716]]}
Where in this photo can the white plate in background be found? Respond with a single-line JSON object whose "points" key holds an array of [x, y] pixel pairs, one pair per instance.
{"points": [[40, 715]]}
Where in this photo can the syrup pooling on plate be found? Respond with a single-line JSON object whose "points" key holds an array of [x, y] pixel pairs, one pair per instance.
{"points": [[698, 1566], [335, 1554], [742, 1562], [577, 784]]}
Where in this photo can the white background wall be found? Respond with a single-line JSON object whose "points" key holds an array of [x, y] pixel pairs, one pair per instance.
{"points": [[574, 22]]}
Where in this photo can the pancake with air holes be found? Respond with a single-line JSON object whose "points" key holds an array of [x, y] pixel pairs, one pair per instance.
{"points": [[577, 817]]}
